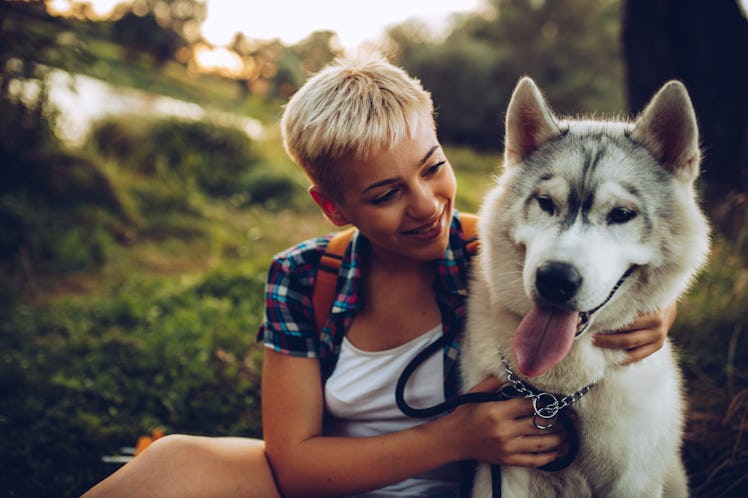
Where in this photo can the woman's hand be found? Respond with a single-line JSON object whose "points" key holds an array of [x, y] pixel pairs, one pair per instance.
{"points": [[503, 432], [643, 336]]}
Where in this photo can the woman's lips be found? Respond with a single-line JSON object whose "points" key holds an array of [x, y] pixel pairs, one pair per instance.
{"points": [[428, 230]]}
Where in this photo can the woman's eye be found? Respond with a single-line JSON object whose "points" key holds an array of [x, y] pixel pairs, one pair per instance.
{"points": [[619, 215], [435, 168], [546, 204], [381, 199]]}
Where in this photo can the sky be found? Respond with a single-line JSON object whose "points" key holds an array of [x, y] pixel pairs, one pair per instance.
{"points": [[354, 21]]}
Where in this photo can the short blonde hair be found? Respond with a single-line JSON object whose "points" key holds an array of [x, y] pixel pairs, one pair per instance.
{"points": [[351, 109]]}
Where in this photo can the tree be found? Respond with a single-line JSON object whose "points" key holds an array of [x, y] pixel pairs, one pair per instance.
{"points": [[30, 41], [143, 35], [570, 48], [703, 44], [158, 28], [42, 183], [316, 51]]}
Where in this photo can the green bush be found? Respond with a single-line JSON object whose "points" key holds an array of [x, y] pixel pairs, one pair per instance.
{"points": [[271, 188], [202, 154], [62, 214], [73, 179], [116, 138], [214, 157], [76, 248]]}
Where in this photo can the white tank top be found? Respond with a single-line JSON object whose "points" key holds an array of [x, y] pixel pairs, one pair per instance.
{"points": [[360, 402]]}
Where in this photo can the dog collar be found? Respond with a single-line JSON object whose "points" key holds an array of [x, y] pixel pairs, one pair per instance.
{"points": [[546, 406]]}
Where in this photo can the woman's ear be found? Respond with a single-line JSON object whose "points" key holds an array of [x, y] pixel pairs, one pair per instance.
{"points": [[328, 206]]}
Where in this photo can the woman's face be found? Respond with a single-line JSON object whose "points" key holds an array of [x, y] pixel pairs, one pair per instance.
{"points": [[401, 198]]}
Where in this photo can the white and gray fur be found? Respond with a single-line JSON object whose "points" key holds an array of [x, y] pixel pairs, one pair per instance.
{"points": [[595, 175]]}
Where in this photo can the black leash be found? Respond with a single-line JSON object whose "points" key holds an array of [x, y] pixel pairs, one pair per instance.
{"points": [[503, 394]]}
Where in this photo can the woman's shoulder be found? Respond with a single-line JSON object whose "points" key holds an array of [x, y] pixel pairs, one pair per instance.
{"points": [[303, 254]]}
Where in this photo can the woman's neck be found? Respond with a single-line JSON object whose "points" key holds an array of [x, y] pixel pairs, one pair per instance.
{"points": [[398, 267]]}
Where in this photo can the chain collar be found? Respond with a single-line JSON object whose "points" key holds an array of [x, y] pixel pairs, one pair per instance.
{"points": [[545, 405]]}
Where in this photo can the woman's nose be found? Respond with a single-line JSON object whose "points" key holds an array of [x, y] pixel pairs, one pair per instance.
{"points": [[423, 203]]}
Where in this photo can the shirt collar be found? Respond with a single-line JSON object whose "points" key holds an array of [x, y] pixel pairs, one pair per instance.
{"points": [[450, 275]]}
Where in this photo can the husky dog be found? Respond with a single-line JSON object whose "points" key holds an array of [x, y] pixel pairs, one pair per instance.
{"points": [[591, 224]]}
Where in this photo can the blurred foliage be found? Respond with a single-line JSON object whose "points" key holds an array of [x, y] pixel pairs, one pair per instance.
{"points": [[30, 39], [142, 35], [82, 378], [269, 68], [571, 49], [156, 29], [272, 189], [710, 335], [189, 156], [132, 269], [57, 208], [216, 158]]}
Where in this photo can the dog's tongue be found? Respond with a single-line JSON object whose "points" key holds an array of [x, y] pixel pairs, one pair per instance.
{"points": [[543, 338]]}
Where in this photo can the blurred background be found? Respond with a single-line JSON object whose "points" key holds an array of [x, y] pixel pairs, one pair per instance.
{"points": [[144, 189]]}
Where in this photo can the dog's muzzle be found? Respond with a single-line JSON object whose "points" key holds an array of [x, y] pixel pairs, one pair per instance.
{"points": [[558, 282]]}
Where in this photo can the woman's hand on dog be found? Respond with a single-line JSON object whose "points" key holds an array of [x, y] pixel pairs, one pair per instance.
{"points": [[643, 336], [503, 432]]}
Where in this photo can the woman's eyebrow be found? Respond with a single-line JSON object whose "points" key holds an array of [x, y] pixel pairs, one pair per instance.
{"points": [[428, 154], [381, 183]]}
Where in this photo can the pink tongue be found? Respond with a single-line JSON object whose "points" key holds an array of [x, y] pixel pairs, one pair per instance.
{"points": [[543, 339]]}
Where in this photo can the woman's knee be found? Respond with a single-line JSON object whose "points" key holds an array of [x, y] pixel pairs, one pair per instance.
{"points": [[239, 463], [172, 449], [180, 465]]}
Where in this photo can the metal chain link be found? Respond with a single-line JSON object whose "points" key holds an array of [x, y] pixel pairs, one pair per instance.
{"points": [[545, 405]]}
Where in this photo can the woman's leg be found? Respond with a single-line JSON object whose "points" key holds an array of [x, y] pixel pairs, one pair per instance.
{"points": [[193, 466]]}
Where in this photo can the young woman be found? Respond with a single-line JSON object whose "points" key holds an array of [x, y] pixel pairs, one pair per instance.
{"points": [[364, 133]]}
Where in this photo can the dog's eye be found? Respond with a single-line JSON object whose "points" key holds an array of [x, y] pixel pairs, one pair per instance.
{"points": [[620, 215], [546, 204]]}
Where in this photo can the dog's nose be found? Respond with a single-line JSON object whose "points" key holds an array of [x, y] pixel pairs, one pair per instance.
{"points": [[557, 282]]}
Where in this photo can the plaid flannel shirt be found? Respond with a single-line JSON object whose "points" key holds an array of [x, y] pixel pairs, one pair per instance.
{"points": [[289, 328]]}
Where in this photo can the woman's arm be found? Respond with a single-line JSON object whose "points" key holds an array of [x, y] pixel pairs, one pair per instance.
{"points": [[643, 336], [307, 463]]}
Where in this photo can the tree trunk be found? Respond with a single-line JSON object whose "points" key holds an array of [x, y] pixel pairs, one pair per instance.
{"points": [[705, 45]]}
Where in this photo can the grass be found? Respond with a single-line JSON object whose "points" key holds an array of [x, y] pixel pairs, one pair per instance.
{"points": [[710, 332], [162, 335]]}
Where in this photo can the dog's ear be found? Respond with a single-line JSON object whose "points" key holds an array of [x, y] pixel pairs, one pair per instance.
{"points": [[667, 127], [529, 122]]}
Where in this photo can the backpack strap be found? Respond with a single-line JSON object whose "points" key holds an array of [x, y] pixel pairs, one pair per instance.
{"points": [[323, 294], [469, 224]]}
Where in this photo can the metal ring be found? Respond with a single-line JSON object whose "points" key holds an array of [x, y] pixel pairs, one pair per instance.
{"points": [[546, 410], [543, 427]]}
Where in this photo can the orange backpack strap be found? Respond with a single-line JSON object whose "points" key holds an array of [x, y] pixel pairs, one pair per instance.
{"points": [[327, 276], [469, 224]]}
